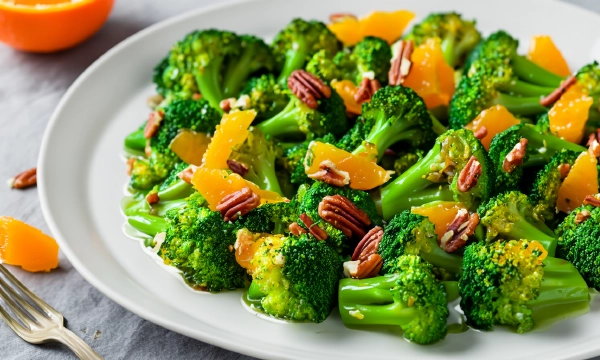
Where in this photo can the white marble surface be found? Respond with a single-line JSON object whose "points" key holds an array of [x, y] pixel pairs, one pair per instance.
{"points": [[30, 88]]}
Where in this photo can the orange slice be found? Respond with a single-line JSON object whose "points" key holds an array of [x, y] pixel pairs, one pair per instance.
{"points": [[581, 181], [26, 246], [363, 172], [570, 113], [232, 131], [347, 90], [440, 213], [430, 76], [50, 25], [385, 25], [190, 146], [495, 119], [215, 184], [544, 52]]}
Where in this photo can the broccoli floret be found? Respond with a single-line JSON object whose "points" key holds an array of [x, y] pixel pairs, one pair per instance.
{"points": [[544, 192], [541, 147], [412, 234], [157, 77], [258, 154], [266, 96], [405, 160], [143, 176], [255, 55], [412, 299], [293, 161], [322, 66], [398, 114], [510, 216], [309, 204], [299, 41], [356, 135], [370, 58], [579, 242], [298, 121], [422, 183], [513, 283], [458, 36], [294, 278]]}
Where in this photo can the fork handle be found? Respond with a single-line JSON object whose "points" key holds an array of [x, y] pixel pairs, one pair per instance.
{"points": [[77, 345]]}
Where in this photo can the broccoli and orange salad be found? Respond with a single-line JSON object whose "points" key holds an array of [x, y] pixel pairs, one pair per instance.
{"points": [[385, 172]]}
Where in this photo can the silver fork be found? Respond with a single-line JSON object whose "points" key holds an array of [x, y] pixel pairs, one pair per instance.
{"points": [[41, 325]]}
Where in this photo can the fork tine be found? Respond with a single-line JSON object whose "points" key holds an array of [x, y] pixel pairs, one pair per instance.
{"points": [[15, 325], [20, 313], [36, 300]]}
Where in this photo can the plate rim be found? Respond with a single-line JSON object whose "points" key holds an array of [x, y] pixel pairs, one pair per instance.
{"points": [[89, 276]]}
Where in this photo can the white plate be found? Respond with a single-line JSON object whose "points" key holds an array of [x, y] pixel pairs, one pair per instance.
{"points": [[82, 178]]}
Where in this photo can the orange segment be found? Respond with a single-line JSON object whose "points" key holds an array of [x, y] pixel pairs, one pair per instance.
{"points": [[570, 113], [495, 119], [246, 246], [388, 26], [50, 25], [385, 25], [190, 146], [544, 52], [215, 184], [581, 181], [232, 131], [26, 246], [364, 173], [440, 213], [347, 90], [430, 76]]}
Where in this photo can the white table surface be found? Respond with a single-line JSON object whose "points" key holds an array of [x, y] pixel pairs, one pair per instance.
{"points": [[30, 87]]}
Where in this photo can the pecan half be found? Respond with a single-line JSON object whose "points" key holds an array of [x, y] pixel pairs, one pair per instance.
{"points": [[515, 157], [154, 100], [187, 174], [481, 132], [313, 228], [564, 169], [330, 174], [594, 144], [196, 96], [308, 88], [401, 64], [238, 204], [343, 215], [339, 17], [226, 104], [469, 175], [370, 267], [556, 94], [24, 179], [459, 230], [238, 167], [130, 163], [152, 198], [369, 244], [582, 216], [153, 123], [296, 229], [366, 90], [591, 200], [148, 149]]}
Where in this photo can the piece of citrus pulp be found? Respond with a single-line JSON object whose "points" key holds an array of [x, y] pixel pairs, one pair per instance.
{"points": [[26, 246], [544, 52], [570, 113], [581, 181], [347, 90], [440, 213], [232, 131], [388, 26], [495, 119], [190, 146]]}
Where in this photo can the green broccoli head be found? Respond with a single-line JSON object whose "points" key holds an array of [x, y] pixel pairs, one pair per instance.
{"points": [[293, 161], [412, 298], [157, 78], [309, 204], [457, 35], [510, 216], [299, 41], [356, 135], [370, 58], [266, 96], [589, 78], [398, 114], [406, 160], [412, 234], [322, 66], [513, 283], [143, 176], [294, 278], [422, 183]]}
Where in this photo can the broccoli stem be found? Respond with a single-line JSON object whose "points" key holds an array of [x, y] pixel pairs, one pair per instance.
{"points": [[148, 224], [439, 258], [533, 73], [546, 146], [283, 124], [178, 190], [525, 106], [254, 291], [452, 291], [384, 138], [208, 80], [264, 175], [295, 58], [172, 197], [136, 140], [237, 72], [448, 50], [523, 229], [522, 88], [563, 294], [437, 126]]}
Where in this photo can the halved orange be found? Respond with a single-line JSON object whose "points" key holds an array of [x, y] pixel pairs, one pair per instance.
{"points": [[50, 25]]}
